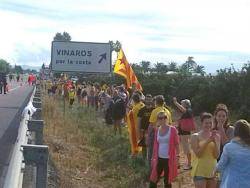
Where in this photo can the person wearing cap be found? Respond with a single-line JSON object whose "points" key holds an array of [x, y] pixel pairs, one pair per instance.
{"points": [[185, 135], [165, 152]]}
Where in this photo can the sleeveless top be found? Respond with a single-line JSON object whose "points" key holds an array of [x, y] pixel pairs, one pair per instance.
{"points": [[163, 144], [205, 164]]}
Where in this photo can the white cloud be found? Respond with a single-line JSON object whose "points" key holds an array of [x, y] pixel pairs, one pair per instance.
{"points": [[191, 26]]}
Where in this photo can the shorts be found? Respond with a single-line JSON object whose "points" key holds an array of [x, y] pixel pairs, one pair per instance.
{"points": [[185, 143], [71, 101], [200, 178], [117, 116]]}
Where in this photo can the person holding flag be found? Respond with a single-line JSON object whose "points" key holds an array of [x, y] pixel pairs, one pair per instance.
{"points": [[133, 127], [123, 69]]}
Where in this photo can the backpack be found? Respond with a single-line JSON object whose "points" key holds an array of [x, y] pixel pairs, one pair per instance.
{"points": [[187, 124], [119, 106]]}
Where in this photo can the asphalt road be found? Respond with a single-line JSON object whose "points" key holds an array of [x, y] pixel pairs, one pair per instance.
{"points": [[11, 107]]}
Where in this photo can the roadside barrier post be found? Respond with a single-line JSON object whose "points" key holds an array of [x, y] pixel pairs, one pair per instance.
{"points": [[37, 114], [37, 94], [37, 104], [37, 99], [38, 155], [37, 127]]}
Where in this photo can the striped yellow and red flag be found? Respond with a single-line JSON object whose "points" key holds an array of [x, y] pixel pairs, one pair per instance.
{"points": [[132, 132], [123, 68], [133, 128]]}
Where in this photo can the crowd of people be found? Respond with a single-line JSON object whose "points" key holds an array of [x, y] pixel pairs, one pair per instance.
{"points": [[217, 152], [5, 79]]}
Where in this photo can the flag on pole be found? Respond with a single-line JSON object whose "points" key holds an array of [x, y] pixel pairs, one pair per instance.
{"points": [[123, 68]]}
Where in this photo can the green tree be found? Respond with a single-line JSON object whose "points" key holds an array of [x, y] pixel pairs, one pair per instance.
{"points": [[200, 69], [173, 66], [160, 68], [137, 68], [4, 66], [145, 65], [62, 36], [189, 65]]}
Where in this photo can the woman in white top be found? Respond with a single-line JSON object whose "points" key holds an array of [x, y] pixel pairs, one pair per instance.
{"points": [[165, 152]]}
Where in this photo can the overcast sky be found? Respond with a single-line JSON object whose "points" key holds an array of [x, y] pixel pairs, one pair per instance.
{"points": [[215, 32]]}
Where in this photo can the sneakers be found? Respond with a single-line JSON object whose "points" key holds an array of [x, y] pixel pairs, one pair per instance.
{"points": [[187, 167]]}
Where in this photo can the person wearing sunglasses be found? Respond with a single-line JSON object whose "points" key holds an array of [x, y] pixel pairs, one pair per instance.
{"points": [[165, 152], [159, 106]]}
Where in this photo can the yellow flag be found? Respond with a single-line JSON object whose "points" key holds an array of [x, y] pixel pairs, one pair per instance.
{"points": [[123, 68]]}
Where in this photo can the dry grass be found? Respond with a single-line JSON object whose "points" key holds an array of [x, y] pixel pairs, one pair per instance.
{"points": [[87, 154]]}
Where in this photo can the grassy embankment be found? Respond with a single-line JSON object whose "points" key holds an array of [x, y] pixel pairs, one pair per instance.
{"points": [[87, 154]]}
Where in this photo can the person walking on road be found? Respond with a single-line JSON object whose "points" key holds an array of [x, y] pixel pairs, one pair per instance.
{"points": [[3, 83], [18, 78], [30, 79]]}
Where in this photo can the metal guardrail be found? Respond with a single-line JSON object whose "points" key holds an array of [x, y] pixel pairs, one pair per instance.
{"points": [[26, 154]]}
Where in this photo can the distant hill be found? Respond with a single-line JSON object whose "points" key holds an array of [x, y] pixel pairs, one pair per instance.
{"points": [[37, 68]]}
